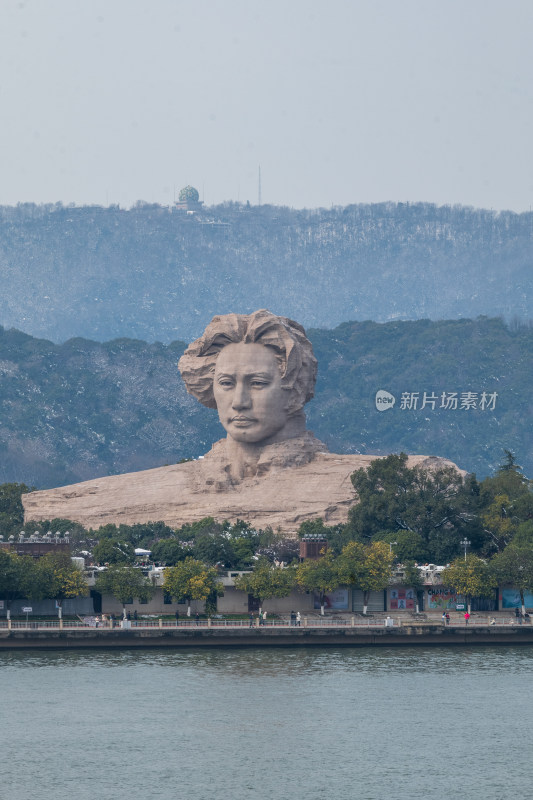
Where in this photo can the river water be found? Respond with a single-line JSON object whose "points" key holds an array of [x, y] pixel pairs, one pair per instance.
{"points": [[279, 724]]}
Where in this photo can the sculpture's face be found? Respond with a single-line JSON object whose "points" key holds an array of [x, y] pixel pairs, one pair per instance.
{"points": [[251, 403]]}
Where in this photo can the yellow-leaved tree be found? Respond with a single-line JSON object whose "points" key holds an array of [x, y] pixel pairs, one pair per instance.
{"points": [[365, 567], [469, 577], [266, 581], [57, 577], [191, 580]]}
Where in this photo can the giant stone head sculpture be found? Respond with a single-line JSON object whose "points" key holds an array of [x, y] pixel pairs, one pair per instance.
{"points": [[257, 369]]}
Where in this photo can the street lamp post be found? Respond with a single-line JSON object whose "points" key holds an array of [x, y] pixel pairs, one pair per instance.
{"points": [[390, 546], [465, 543]]}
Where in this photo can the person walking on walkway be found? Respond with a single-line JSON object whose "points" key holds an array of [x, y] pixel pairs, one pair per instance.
{"points": [[467, 617], [251, 620], [298, 619]]}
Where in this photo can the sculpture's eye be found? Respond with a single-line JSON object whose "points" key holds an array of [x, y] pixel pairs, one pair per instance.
{"points": [[225, 383], [259, 383]]}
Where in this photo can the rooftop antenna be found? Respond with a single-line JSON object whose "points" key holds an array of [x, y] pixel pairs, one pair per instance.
{"points": [[259, 187]]}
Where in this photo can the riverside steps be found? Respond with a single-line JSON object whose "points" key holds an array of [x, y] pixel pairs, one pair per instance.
{"points": [[346, 631]]}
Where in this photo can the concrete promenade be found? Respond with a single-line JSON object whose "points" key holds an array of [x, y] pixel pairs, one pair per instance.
{"points": [[348, 631]]}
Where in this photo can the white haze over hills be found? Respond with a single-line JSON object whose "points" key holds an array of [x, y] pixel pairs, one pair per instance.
{"points": [[393, 121], [350, 101]]}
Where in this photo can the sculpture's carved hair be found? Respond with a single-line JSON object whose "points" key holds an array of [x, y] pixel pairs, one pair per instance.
{"points": [[283, 336]]}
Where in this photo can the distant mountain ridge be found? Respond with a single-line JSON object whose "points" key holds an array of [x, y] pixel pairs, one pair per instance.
{"points": [[158, 274], [83, 409]]}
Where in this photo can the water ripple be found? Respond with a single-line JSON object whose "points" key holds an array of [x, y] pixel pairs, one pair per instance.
{"points": [[304, 724]]}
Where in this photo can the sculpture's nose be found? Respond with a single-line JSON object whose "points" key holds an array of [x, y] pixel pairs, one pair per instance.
{"points": [[241, 396]]}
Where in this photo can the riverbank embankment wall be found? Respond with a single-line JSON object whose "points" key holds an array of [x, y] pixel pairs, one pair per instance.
{"points": [[408, 636]]}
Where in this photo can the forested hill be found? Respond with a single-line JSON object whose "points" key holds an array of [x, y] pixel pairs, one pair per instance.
{"points": [[83, 409], [159, 274]]}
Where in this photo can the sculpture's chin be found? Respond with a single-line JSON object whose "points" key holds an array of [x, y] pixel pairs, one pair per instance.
{"points": [[248, 436], [265, 432]]}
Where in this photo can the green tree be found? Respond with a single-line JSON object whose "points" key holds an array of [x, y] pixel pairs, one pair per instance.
{"points": [[11, 509], [514, 566], [228, 545], [406, 545], [335, 535], [500, 522], [124, 582], [507, 504], [142, 534], [191, 580], [437, 504], [191, 531], [169, 551], [16, 576], [313, 527], [277, 547], [319, 575], [113, 551], [243, 551], [214, 547], [266, 581], [108, 531], [509, 463], [367, 567], [524, 533], [470, 577]]}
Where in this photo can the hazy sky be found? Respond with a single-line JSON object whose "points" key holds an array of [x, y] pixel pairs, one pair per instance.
{"points": [[344, 101]]}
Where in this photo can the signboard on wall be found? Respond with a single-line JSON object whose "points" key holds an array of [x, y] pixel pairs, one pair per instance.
{"points": [[511, 599], [337, 600], [442, 598], [402, 598]]}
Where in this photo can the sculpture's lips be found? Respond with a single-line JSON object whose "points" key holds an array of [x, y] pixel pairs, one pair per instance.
{"points": [[243, 421]]}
